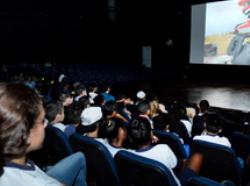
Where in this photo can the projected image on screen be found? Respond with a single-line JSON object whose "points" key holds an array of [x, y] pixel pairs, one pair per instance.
{"points": [[220, 33]]}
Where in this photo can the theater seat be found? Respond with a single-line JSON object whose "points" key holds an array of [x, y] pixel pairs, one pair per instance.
{"points": [[203, 181], [173, 141], [219, 161], [56, 146], [140, 171], [101, 169]]}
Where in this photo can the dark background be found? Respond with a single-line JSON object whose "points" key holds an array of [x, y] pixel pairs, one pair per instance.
{"points": [[93, 31]]}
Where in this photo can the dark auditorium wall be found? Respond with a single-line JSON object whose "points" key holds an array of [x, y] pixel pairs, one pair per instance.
{"points": [[92, 31], [81, 30]]}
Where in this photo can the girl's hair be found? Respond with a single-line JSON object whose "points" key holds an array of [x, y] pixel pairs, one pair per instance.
{"points": [[154, 108], [109, 107], [109, 128], [139, 132], [19, 108]]}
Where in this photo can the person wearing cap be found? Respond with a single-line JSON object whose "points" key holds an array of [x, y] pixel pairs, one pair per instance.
{"points": [[90, 120], [140, 96]]}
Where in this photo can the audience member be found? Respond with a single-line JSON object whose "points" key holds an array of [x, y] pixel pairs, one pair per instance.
{"points": [[22, 126]]}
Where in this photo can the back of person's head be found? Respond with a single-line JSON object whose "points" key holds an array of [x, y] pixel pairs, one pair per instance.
{"points": [[92, 87], [204, 105], [66, 98], [73, 113], [84, 102], [109, 128], [162, 122], [104, 87], [91, 117], [20, 107], [109, 108], [53, 109], [141, 95], [99, 100], [212, 122], [178, 111], [80, 89], [191, 112], [154, 108], [143, 107], [139, 132]]}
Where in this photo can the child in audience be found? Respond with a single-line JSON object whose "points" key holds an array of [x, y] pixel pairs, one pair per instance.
{"points": [[139, 132], [163, 122], [55, 114], [202, 108], [81, 91], [213, 129], [110, 110], [90, 120], [74, 118], [22, 119], [144, 111], [114, 130]]}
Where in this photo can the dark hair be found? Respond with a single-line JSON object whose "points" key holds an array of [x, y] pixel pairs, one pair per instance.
{"points": [[204, 105], [109, 107], [84, 102], [178, 111], [212, 122], [143, 107], [99, 100], [20, 106], [109, 128], [104, 87], [80, 89], [63, 96], [92, 86], [139, 132], [52, 109], [161, 121], [73, 113]]}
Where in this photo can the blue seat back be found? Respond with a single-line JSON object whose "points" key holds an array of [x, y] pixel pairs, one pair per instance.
{"points": [[140, 171], [202, 181], [181, 130], [101, 169], [241, 144], [56, 146], [219, 161], [173, 141]]}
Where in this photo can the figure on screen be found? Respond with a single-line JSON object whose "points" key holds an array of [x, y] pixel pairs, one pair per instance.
{"points": [[239, 46]]}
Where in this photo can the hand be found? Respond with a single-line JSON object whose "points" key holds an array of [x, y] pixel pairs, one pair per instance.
{"points": [[154, 139]]}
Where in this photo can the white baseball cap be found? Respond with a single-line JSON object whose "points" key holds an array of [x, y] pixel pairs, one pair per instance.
{"points": [[90, 115], [141, 94]]}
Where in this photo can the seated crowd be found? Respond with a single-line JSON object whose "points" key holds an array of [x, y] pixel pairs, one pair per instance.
{"points": [[118, 122]]}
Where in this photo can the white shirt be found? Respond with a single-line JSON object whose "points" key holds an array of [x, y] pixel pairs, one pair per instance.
{"points": [[92, 95], [214, 139], [161, 153], [23, 175], [59, 126], [188, 126], [113, 150]]}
